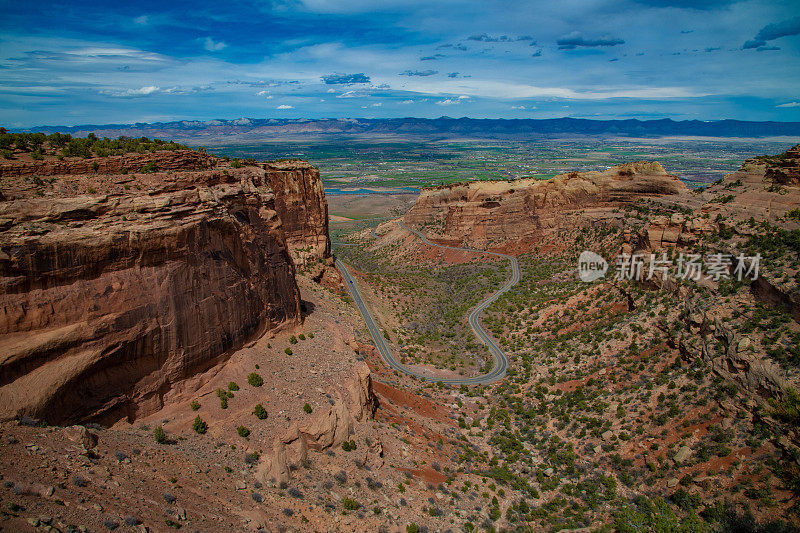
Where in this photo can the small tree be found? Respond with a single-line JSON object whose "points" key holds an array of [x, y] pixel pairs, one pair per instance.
{"points": [[200, 425], [307, 408], [160, 435], [260, 412], [255, 380], [243, 431]]}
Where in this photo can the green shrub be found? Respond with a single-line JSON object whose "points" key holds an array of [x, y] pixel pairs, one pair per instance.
{"points": [[301, 337], [195, 405], [255, 380], [233, 386], [307, 408], [292, 340], [243, 431], [788, 409], [350, 504], [199, 425], [150, 166], [288, 351], [260, 412], [160, 435], [348, 445]]}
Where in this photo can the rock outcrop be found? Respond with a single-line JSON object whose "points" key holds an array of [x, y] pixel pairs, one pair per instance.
{"points": [[665, 232], [109, 299], [324, 429], [485, 214], [301, 205], [729, 355], [134, 162]]}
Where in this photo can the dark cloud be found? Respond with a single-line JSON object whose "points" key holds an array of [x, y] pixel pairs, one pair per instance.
{"points": [[575, 39], [525, 38], [767, 48], [452, 74], [343, 79], [774, 31], [431, 58], [486, 38], [713, 49], [687, 31], [419, 72], [537, 53]]}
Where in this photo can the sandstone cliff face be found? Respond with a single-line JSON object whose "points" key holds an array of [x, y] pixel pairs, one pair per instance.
{"points": [[108, 300], [300, 202], [485, 214]]}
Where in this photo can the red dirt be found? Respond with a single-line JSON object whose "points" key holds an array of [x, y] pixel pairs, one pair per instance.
{"points": [[427, 474], [421, 406]]}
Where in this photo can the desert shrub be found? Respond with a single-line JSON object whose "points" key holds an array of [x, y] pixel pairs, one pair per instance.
{"points": [[160, 435], [349, 446], [292, 340], [788, 409], [233, 386], [150, 166], [195, 405], [199, 425], [288, 351], [260, 412], [307, 408], [350, 504], [255, 380], [243, 431]]}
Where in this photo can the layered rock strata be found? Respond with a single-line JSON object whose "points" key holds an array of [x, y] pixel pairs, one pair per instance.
{"points": [[109, 300], [485, 214]]}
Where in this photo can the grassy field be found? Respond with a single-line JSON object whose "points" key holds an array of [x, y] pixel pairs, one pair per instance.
{"points": [[348, 162]]}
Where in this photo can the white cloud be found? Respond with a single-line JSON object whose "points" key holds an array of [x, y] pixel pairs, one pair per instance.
{"points": [[501, 89], [352, 94], [517, 107], [406, 102], [449, 101], [142, 20], [284, 106], [212, 46], [789, 104], [131, 93]]}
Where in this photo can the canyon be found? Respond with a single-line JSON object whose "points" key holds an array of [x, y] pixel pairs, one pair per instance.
{"points": [[178, 351]]}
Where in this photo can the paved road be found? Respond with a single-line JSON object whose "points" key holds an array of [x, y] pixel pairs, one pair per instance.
{"points": [[500, 360]]}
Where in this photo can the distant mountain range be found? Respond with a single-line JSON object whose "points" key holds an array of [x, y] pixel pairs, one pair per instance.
{"points": [[441, 128]]}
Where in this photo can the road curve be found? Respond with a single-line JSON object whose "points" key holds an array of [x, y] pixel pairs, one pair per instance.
{"points": [[499, 358]]}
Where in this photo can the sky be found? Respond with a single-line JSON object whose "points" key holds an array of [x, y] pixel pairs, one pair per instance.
{"points": [[95, 62]]}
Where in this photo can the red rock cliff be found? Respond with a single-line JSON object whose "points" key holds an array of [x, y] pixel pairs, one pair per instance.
{"points": [[485, 214], [300, 202], [109, 299]]}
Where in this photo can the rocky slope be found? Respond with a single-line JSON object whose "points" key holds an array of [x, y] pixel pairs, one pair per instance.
{"points": [[490, 214], [116, 286]]}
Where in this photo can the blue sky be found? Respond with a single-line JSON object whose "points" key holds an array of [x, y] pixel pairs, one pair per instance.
{"points": [[83, 62]]}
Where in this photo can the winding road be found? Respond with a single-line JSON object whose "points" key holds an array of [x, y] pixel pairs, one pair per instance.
{"points": [[499, 357]]}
